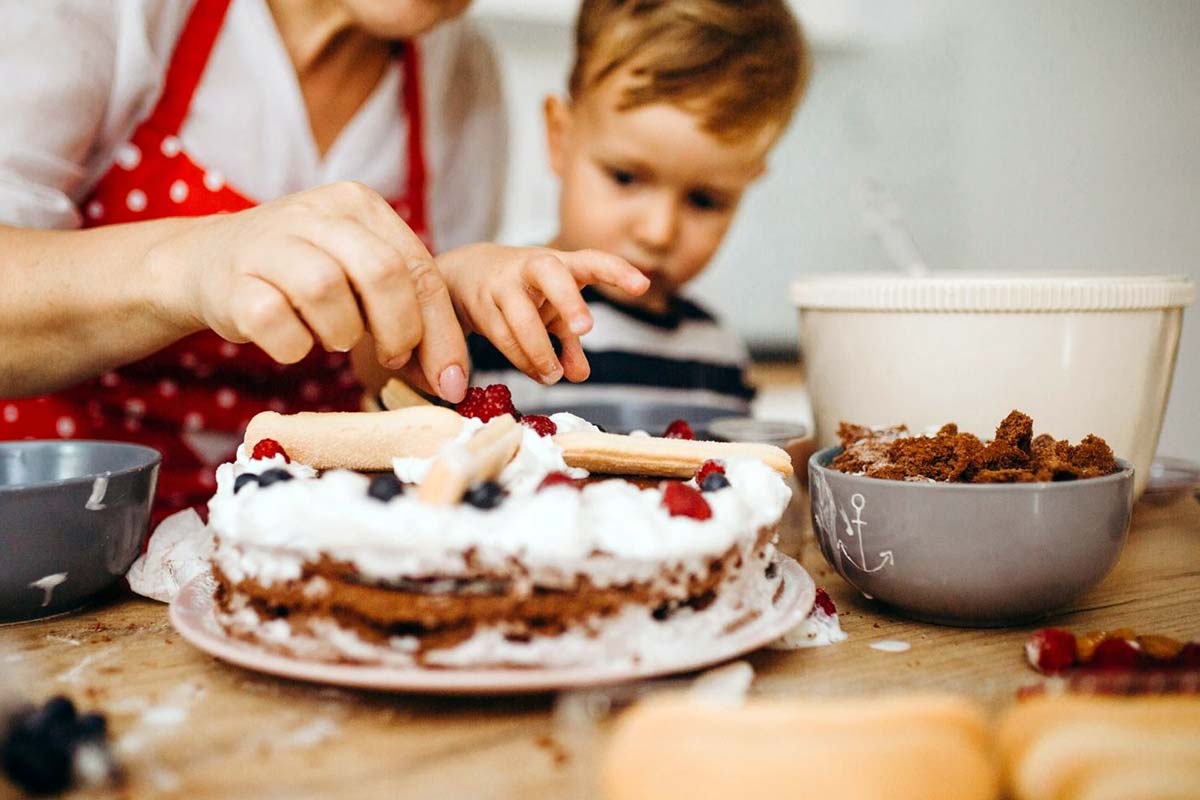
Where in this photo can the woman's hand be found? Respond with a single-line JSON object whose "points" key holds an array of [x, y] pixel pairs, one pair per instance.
{"points": [[516, 296], [323, 266]]}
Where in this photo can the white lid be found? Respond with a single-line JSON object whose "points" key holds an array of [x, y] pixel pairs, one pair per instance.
{"points": [[976, 292]]}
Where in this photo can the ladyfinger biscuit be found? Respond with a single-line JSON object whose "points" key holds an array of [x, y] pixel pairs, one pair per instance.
{"points": [[1077, 748], [914, 748], [613, 454], [357, 440], [480, 458], [398, 394]]}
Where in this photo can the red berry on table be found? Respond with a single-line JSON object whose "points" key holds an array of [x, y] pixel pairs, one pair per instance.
{"points": [[542, 425], [488, 403], [679, 429], [1051, 650], [1189, 656], [682, 500], [269, 448], [1114, 654], [708, 468], [558, 479], [825, 602]]}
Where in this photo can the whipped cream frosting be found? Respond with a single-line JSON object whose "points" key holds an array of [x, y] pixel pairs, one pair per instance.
{"points": [[612, 531]]}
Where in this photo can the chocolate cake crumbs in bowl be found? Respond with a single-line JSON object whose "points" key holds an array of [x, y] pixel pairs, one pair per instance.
{"points": [[951, 529], [1013, 456]]}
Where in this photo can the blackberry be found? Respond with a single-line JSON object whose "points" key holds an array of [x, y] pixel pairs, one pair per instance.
{"points": [[242, 480], [385, 487], [714, 482], [274, 476], [484, 495]]}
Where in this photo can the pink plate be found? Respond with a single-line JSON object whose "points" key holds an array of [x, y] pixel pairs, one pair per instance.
{"points": [[193, 615]]}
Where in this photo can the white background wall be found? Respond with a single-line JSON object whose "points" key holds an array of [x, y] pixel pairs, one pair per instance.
{"points": [[1014, 134]]}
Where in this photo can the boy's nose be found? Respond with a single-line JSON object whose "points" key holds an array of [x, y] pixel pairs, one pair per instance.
{"points": [[657, 222]]}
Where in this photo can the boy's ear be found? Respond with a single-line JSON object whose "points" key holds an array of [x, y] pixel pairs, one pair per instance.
{"points": [[558, 131]]}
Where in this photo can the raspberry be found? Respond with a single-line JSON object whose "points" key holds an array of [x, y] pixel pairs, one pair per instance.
{"points": [[682, 500], [486, 404], [708, 468], [1114, 654], [558, 479], [269, 448], [1051, 650], [1189, 656], [679, 429], [825, 602], [542, 425]]}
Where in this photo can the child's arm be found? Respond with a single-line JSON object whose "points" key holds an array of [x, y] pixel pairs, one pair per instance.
{"points": [[516, 296], [322, 266]]}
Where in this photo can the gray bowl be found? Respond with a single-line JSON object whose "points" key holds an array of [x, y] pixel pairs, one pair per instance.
{"points": [[73, 516], [974, 555]]}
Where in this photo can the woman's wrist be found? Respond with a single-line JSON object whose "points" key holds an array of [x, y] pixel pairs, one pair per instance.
{"points": [[170, 286]]}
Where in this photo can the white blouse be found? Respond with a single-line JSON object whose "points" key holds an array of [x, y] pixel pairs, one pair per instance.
{"points": [[78, 76]]}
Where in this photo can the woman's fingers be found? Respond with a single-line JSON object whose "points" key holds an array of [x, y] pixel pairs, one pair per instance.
{"points": [[315, 283], [443, 348], [381, 279], [442, 351], [266, 317]]}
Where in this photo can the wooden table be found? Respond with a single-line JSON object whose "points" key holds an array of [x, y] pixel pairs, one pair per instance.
{"points": [[190, 726]]}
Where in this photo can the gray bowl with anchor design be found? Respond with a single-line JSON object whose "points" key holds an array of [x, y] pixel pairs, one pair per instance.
{"points": [[73, 516], [984, 555]]}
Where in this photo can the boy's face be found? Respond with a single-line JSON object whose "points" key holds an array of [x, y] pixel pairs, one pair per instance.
{"points": [[647, 184]]}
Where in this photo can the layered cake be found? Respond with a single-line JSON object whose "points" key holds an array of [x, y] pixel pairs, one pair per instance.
{"points": [[423, 536]]}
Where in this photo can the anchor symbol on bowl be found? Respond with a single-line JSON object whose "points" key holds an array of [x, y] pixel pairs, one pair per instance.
{"points": [[854, 531]]}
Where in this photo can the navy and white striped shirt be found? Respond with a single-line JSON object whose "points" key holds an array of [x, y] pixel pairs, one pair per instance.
{"points": [[682, 355]]}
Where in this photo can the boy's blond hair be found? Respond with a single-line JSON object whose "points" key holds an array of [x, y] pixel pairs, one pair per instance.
{"points": [[739, 65]]}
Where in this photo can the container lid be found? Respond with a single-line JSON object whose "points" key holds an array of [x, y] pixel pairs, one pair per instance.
{"points": [[980, 292]]}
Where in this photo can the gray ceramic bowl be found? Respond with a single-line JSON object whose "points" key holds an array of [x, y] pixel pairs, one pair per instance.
{"points": [[73, 516], [975, 555]]}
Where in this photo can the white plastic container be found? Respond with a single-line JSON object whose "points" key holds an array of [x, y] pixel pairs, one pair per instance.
{"points": [[1080, 354]]}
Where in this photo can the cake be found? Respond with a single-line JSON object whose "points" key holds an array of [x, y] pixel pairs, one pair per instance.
{"points": [[419, 536]]}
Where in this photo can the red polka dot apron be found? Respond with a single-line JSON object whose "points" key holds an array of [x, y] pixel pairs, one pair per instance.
{"points": [[192, 400]]}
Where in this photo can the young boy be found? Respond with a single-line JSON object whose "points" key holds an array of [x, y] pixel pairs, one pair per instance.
{"points": [[673, 106]]}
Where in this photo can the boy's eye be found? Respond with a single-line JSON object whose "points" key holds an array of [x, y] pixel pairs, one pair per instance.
{"points": [[704, 201], [622, 177]]}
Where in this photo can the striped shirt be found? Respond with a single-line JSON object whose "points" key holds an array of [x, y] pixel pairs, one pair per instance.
{"points": [[683, 355]]}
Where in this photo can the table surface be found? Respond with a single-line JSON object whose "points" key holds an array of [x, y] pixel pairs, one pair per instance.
{"points": [[190, 726]]}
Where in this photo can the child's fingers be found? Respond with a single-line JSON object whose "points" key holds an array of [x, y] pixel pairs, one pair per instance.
{"points": [[493, 325], [266, 318], [527, 327], [574, 363], [596, 266], [315, 283], [558, 286]]}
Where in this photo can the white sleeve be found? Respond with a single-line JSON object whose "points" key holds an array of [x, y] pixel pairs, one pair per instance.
{"points": [[57, 60], [469, 141], [77, 76]]}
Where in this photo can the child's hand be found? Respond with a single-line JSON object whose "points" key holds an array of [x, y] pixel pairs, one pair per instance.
{"points": [[329, 265], [515, 295]]}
